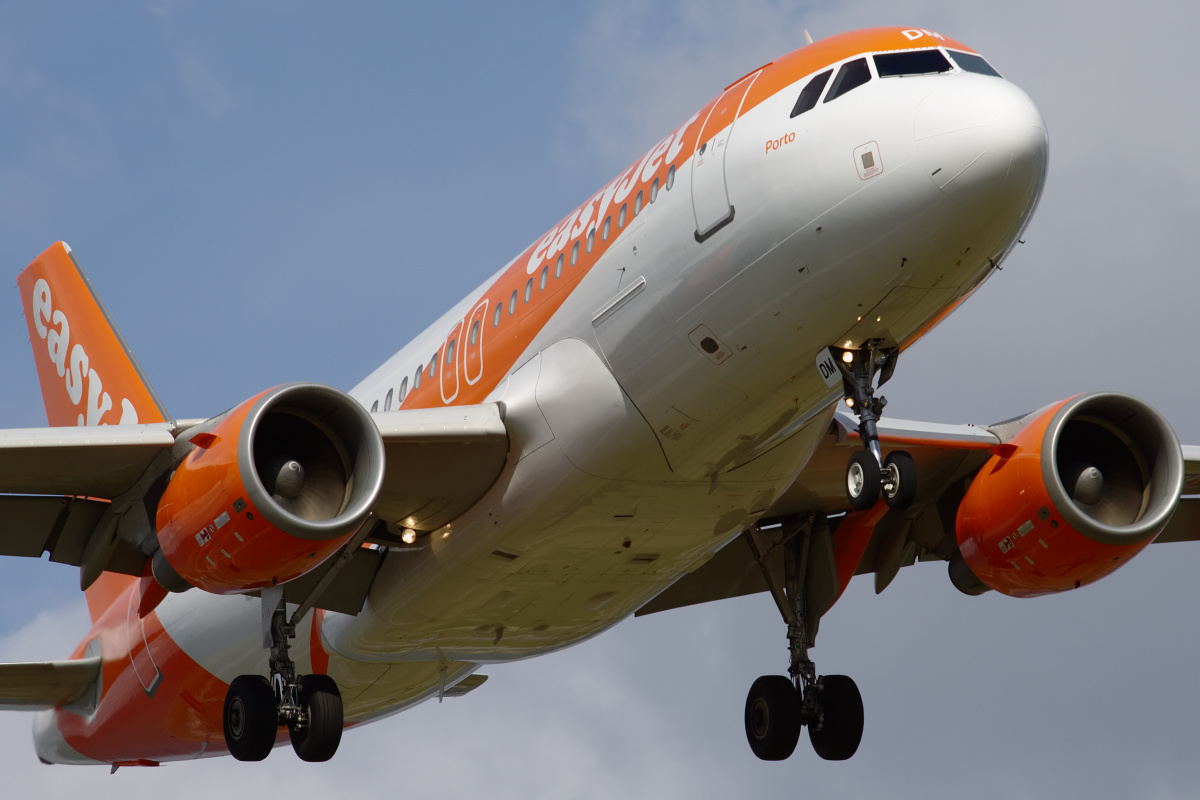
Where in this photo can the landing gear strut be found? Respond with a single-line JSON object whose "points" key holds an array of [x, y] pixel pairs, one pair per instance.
{"points": [[255, 707], [778, 706], [868, 474]]}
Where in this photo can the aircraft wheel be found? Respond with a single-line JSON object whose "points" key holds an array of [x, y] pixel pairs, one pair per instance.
{"points": [[862, 480], [772, 717], [836, 736], [250, 719], [319, 738], [900, 480]]}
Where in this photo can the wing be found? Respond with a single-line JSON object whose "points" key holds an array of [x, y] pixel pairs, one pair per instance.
{"points": [[947, 457], [59, 486]]}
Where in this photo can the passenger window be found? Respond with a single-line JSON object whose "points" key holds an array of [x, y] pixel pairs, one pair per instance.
{"points": [[512, 303], [433, 365], [403, 389], [450, 351], [496, 316], [574, 254], [558, 266], [637, 204], [654, 190], [374, 406], [542, 280], [474, 333], [387, 401], [604, 230], [417, 379], [670, 177], [621, 216], [528, 289], [911, 62], [591, 239], [852, 75], [810, 93], [973, 63]]}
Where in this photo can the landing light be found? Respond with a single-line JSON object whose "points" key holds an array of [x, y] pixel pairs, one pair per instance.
{"points": [[409, 536], [850, 402], [847, 357]]}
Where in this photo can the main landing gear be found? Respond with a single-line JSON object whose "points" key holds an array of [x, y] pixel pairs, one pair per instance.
{"points": [[869, 474], [255, 707], [778, 706]]}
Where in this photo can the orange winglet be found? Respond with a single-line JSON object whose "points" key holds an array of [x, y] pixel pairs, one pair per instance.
{"points": [[87, 373]]}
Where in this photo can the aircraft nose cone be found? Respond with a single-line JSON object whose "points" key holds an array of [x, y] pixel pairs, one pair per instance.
{"points": [[983, 143]]}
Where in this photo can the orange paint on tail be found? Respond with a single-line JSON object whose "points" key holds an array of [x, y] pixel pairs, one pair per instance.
{"points": [[87, 373]]}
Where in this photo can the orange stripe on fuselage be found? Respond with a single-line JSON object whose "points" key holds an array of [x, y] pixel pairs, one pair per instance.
{"points": [[501, 347]]}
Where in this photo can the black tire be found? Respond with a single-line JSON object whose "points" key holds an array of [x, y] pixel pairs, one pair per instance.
{"points": [[251, 718], [319, 739], [862, 480], [773, 717], [836, 736], [902, 493]]}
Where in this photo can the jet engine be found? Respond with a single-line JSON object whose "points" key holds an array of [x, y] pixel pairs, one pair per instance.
{"points": [[270, 490], [1080, 489]]}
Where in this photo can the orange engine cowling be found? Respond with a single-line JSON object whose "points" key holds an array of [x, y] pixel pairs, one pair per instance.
{"points": [[271, 489], [1081, 488]]}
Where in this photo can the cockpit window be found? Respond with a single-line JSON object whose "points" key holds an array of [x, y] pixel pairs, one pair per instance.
{"points": [[852, 75], [973, 63], [911, 62], [811, 93]]}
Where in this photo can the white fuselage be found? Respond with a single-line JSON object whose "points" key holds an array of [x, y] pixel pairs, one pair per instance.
{"points": [[636, 453]]}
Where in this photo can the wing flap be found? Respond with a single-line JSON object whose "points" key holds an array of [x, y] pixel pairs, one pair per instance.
{"points": [[31, 525], [33, 686], [440, 461]]}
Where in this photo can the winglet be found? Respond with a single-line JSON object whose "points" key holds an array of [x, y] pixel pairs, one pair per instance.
{"points": [[87, 373]]}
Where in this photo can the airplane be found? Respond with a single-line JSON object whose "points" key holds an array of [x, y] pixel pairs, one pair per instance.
{"points": [[576, 442]]}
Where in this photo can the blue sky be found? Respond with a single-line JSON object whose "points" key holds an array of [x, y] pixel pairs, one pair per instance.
{"points": [[265, 192]]}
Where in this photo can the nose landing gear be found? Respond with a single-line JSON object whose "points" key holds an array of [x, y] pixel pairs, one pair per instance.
{"points": [[778, 706], [869, 474], [255, 707]]}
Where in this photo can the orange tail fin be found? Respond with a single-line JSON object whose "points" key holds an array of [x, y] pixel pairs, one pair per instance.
{"points": [[87, 373]]}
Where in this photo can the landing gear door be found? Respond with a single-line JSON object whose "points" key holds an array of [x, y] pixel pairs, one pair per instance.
{"points": [[710, 197]]}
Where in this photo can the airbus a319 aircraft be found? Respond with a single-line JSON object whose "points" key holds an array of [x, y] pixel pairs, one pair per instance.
{"points": [[669, 398]]}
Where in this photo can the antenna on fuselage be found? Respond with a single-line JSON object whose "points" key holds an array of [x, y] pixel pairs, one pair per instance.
{"points": [[807, 38]]}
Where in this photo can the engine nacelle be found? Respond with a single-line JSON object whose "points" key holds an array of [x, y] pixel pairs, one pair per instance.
{"points": [[1077, 492], [271, 489]]}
